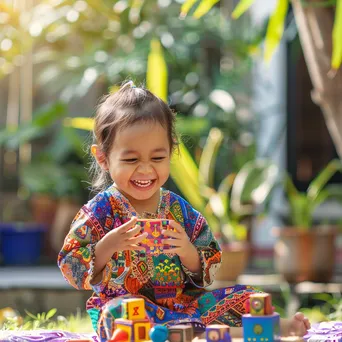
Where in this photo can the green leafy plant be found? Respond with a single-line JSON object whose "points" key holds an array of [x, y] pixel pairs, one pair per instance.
{"points": [[328, 309], [234, 199], [303, 204], [58, 164]]}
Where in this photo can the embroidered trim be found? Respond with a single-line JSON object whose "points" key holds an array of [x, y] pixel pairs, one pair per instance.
{"points": [[92, 261]]}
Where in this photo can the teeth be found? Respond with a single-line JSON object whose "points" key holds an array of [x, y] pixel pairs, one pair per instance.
{"points": [[142, 183]]}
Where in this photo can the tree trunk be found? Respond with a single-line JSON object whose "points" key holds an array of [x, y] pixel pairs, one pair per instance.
{"points": [[315, 32]]}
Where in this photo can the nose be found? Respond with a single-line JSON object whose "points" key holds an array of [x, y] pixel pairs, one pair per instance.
{"points": [[145, 168]]}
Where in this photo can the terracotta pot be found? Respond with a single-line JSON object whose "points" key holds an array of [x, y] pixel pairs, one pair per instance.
{"points": [[65, 213], [43, 209], [234, 261], [305, 255]]}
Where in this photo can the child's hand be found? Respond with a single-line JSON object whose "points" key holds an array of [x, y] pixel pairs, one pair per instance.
{"points": [[179, 239], [299, 324], [126, 238]]}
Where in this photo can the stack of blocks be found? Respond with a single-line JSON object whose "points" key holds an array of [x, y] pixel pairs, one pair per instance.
{"points": [[133, 326], [262, 324]]}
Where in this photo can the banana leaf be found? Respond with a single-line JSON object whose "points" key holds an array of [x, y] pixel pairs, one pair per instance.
{"points": [[241, 8], [156, 75], [209, 155], [336, 58], [275, 28], [186, 7], [204, 7]]}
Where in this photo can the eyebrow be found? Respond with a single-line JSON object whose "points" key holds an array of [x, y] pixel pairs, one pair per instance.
{"points": [[161, 149]]}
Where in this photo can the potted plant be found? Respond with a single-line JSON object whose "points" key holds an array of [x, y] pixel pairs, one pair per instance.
{"points": [[54, 182], [227, 206], [305, 250]]}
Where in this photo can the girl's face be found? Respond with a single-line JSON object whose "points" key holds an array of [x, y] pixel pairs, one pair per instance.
{"points": [[139, 161]]}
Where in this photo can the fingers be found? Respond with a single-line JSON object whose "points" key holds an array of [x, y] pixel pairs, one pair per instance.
{"points": [[137, 239], [170, 233], [132, 232], [173, 250], [172, 242], [126, 226], [299, 316], [307, 323], [176, 226], [135, 248]]}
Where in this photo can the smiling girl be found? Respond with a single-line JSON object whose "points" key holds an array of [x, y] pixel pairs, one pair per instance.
{"points": [[134, 138]]}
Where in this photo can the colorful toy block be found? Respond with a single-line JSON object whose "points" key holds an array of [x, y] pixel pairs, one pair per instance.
{"points": [[217, 333], [153, 242], [181, 333], [137, 330], [261, 328], [133, 309], [260, 304]]}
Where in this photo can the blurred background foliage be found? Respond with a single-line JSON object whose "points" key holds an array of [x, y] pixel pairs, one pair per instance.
{"points": [[78, 45]]}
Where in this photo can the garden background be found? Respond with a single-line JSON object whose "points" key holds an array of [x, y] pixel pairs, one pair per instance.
{"points": [[256, 86]]}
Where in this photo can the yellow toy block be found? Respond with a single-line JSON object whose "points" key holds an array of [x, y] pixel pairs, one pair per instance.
{"points": [[133, 309], [137, 330], [260, 304]]}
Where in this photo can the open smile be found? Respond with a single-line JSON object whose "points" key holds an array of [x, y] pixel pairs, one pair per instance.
{"points": [[143, 184]]}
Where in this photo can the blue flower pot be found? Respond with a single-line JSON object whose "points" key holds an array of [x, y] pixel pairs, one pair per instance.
{"points": [[21, 243]]}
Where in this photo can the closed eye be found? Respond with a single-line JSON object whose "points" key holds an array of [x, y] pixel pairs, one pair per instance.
{"points": [[158, 158], [130, 160]]}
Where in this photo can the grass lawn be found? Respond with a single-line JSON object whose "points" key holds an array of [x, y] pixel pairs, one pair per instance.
{"points": [[78, 322]]}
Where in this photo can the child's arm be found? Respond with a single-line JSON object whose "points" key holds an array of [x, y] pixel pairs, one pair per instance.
{"points": [[191, 260], [197, 238]]}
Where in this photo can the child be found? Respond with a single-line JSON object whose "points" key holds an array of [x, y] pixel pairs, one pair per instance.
{"points": [[135, 136]]}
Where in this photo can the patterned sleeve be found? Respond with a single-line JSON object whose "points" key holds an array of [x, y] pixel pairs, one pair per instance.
{"points": [[76, 258], [208, 248]]}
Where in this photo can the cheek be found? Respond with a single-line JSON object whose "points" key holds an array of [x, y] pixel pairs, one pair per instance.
{"points": [[164, 170]]}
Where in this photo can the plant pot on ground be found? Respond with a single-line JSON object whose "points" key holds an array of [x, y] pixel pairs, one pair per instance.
{"points": [[306, 251], [21, 243], [306, 255]]}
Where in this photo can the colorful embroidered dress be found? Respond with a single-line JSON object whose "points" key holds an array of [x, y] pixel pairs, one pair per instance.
{"points": [[172, 294]]}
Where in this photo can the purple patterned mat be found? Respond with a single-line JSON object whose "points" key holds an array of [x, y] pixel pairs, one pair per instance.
{"points": [[322, 332], [325, 331], [43, 335]]}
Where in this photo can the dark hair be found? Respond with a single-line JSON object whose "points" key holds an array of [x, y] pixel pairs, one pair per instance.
{"points": [[124, 108]]}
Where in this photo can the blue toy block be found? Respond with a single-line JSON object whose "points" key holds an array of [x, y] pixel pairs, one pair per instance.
{"points": [[217, 333], [261, 328]]}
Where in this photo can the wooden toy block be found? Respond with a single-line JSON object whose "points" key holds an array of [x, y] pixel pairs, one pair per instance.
{"points": [[261, 328], [181, 333], [133, 308], [137, 330], [217, 333], [153, 242], [260, 304]]}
